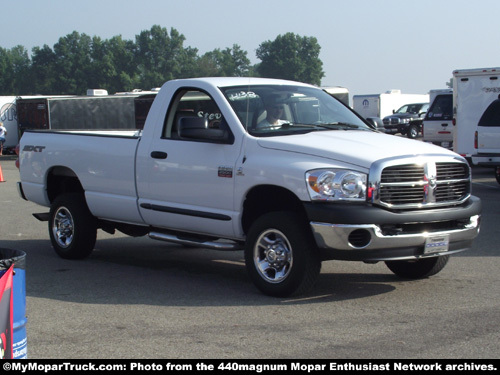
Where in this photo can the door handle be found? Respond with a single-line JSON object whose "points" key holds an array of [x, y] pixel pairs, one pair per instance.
{"points": [[158, 155]]}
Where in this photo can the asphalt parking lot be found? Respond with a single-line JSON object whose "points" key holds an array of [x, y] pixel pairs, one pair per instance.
{"points": [[137, 298]]}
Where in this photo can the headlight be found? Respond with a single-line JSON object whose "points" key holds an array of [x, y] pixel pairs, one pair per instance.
{"points": [[336, 184]]}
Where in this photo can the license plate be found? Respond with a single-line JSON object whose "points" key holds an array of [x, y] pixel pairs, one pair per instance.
{"points": [[436, 244], [445, 144]]}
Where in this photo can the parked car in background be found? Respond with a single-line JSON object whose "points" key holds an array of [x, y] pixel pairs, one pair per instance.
{"points": [[438, 122], [399, 121], [382, 105], [476, 107]]}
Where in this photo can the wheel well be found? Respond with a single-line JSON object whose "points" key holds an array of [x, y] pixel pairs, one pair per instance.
{"points": [[62, 180], [268, 198]]}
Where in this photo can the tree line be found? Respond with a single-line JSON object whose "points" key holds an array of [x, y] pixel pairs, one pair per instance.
{"points": [[78, 62]]}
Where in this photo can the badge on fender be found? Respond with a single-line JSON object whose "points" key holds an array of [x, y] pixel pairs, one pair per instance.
{"points": [[226, 172]]}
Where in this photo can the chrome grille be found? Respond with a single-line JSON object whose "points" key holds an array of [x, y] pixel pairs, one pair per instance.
{"points": [[402, 173], [421, 183], [452, 171], [453, 182], [391, 121]]}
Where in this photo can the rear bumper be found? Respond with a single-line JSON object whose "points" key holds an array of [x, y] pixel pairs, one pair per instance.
{"points": [[445, 144], [487, 160], [20, 191], [382, 235]]}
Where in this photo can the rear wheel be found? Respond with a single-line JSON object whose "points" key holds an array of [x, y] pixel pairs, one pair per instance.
{"points": [[72, 228], [417, 269], [281, 256]]}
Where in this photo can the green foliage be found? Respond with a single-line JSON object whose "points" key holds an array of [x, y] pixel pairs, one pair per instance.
{"points": [[292, 57], [224, 63], [14, 69], [78, 62]]}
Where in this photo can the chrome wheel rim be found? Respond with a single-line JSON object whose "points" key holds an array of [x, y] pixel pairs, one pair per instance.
{"points": [[63, 227], [273, 256]]}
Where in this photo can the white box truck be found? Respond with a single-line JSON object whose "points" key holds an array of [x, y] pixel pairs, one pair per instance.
{"points": [[382, 105], [477, 115], [8, 115]]}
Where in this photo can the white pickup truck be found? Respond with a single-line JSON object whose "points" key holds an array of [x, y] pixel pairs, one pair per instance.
{"points": [[279, 169]]}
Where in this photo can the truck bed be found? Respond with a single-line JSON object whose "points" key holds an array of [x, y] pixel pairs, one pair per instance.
{"points": [[100, 159]]}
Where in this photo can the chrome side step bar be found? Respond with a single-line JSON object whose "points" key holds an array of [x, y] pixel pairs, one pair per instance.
{"points": [[225, 246]]}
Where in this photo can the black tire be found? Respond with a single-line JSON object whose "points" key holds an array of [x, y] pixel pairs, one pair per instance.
{"points": [[72, 228], [412, 132], [418, 269], [281, 256]]}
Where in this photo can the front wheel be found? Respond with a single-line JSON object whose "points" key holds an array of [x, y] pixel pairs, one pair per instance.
{"points": [[412, 132], [497, 174], [417, 269], [281, 256], [72, 228]]}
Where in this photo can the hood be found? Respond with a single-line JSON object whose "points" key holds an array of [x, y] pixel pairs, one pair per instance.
{"points": [[359, 148], [402, 115]]}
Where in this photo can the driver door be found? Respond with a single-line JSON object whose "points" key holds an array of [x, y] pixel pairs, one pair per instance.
{"points": [[187, 184]]}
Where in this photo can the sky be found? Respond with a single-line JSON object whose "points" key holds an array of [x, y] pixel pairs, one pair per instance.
{"points": [[367, 46]]}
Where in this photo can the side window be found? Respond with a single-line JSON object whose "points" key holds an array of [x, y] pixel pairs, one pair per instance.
{"points": [[197, 104], [491, 117]]}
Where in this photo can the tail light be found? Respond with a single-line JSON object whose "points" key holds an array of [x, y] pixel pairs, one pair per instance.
{"points": [[17, 153], [475, 140]]}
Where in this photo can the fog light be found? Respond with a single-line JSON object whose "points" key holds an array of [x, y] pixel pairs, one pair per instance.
{"points": [[359, 238]]}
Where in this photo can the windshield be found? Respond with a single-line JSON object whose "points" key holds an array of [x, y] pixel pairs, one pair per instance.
{"points": [[412, 108], [271, 110]]}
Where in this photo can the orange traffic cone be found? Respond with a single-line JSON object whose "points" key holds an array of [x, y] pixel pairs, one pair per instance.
{"points": [[1, 175]]}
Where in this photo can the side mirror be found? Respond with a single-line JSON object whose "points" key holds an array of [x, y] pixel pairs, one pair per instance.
{"points": [[196, 128], [371, 123]]}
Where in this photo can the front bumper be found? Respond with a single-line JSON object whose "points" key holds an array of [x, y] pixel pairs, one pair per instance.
{"points": [[391, 129], [368, 233]]}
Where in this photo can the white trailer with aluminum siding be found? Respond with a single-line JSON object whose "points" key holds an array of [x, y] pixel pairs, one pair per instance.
{"points": [[8, 116]]}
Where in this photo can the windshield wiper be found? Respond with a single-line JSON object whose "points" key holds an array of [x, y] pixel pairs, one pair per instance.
{"points": [[323, 125], [336, 125], [291, 128]]}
